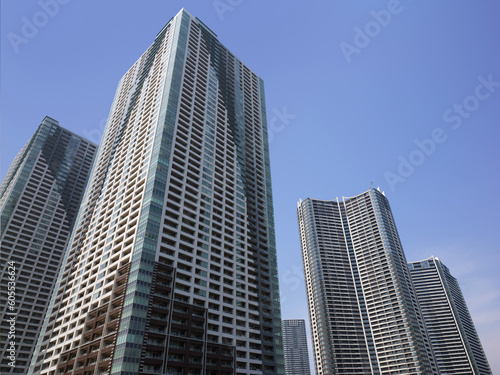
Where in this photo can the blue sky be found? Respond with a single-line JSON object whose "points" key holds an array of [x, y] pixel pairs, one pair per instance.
{"points": [[402, 94]]}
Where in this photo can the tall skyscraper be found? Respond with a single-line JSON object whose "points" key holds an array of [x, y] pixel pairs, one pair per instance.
{"points": [[364, 313], [39, 200], [295, 347], [451, 330], [172, 265]]}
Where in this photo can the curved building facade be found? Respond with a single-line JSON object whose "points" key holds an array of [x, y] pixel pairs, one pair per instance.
{"points": [[364, 314]]}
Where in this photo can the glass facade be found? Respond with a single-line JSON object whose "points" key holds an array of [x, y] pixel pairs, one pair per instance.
{"points": [[39, 201], [295, 347]]}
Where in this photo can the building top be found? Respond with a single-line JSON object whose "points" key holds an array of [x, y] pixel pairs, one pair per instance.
{"points": [[49, 120], [293, 322], [299, 203]]}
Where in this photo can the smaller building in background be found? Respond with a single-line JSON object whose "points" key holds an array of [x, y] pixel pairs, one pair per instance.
{"points": [[39, 200], [295, 347], [451, 330]]}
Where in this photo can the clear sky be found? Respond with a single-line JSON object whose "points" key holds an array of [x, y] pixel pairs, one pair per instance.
{"points": [[402, 94]]}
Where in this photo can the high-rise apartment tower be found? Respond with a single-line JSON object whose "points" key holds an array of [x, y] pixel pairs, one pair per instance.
{"points": [[452, 333], [172, 266], [295, 347], [39, 201], [364, 313]]}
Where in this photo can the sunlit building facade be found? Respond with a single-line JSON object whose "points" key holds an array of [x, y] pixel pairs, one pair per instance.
{"points": [[364, 313], [172, 266]]}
